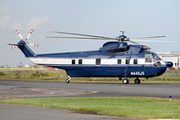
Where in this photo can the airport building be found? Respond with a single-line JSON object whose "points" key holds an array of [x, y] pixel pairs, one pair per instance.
{"points": [[171, 56]]}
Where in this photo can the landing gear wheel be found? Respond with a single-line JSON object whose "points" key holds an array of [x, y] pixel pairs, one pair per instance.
{"points": [[137, 81], [67, 81], [125, 81]]}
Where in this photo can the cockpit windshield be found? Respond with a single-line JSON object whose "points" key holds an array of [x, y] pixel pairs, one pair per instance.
{"points": [[151, 57], [156, 57]]}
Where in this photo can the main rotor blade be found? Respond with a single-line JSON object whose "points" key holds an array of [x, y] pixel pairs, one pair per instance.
{"points": [[82, 35], [96, 38], [133, 42], [156, 41], [150, 37]]}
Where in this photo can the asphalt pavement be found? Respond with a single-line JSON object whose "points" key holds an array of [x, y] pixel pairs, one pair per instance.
{"points": [[24, 112], [99, 89], [25, 89]]}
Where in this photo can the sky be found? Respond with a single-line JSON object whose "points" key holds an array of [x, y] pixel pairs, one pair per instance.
{"points": [[138, 18]]}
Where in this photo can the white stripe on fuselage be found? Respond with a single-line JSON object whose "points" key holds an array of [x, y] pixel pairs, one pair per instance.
{"points": [[91, 61]]}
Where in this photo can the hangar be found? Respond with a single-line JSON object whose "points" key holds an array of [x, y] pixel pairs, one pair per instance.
{"points": [[171, 56]]}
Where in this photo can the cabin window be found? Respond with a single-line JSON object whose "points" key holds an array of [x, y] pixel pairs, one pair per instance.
{"points": [[135, 61], [148, 58], [127, 60], [80, 61], [98, 61], [119, 61], [73, 61]]}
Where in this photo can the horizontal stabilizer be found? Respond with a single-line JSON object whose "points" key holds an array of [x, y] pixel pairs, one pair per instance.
{"points": [[16, 44]]}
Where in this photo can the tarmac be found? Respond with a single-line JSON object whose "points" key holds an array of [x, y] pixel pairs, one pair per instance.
{"points": [[24, 112], [33, 89]]}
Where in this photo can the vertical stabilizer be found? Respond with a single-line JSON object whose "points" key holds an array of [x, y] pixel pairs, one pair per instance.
{"points": [[25, 49]]}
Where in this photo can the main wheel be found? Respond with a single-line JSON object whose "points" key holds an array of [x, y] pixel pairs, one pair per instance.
{"points": [[137, 81], [125, 81]]}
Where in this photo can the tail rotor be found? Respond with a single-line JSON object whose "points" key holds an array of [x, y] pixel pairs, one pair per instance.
{"points": [[21, 37]]}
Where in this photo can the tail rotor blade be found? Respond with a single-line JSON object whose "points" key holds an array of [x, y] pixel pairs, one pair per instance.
{"points": [[13, 46], [32, 44], [19, 34], [30, 33]]}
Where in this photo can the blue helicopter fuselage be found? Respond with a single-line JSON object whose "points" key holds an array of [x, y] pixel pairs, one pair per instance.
{"points": [[114, 59]]}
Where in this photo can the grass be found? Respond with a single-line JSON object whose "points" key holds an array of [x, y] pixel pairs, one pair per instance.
{"points": [[32, 75], [60, 75], [134, 107], [21, 69]]}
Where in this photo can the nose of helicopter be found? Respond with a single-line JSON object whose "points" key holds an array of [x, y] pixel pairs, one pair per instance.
{"points": [[169, 64]]}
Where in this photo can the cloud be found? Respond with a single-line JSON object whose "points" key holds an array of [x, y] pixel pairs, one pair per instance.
{"points": [[18, 25], [4, 20], [3, 17], [40, 37], [32, 24], [35, 22], [7, 23], [3, 10]]}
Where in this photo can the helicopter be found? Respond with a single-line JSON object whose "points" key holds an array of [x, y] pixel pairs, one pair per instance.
{"points": [[115, 58]]}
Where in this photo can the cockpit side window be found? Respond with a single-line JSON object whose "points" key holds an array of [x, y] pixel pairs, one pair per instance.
{"points": [[148, 58]]}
